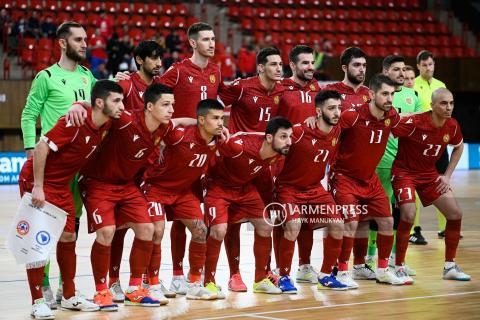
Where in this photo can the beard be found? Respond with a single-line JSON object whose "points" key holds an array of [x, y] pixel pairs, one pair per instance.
{"points": [[283, 151], [329, 120], [354, 79], [302, 77], [73, 55]]}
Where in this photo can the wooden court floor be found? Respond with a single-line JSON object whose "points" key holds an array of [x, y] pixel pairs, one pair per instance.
{"points": [[429, 298]]}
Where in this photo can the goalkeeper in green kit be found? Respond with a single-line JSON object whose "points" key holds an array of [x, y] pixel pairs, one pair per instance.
{"points": [[405, 101], [52, 93]]}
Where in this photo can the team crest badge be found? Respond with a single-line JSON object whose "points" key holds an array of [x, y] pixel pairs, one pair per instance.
{"points": [[84, 80], [157, 140], [334, 142], [212, 78], [104, 134], [408, 100], [446, 138], [276, 99], [365, 99], [387, 122], [312, 87]]}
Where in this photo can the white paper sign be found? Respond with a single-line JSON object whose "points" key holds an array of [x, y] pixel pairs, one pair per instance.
{"points": [[35, 231]]}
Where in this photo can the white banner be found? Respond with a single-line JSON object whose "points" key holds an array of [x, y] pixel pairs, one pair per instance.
{"points": [[35, 231]]}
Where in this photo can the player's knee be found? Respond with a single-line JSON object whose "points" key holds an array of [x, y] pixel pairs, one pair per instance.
{"points": [[199, 232], [158, 230], [291, 230], [68, 237], [218, 232], [385, 224], [105, 235], [454, 214], [336, 230], [144, 231]]}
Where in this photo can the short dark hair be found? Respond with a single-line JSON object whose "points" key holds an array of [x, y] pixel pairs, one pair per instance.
{"points": [[206, 105], [391, 59], [195, 28], [377, 81], [63, 30], [424, 55], [102, 89], [409, 68], [263, 54], [148, 48], [154, 92], [324, 95], [351, 53], [298, 50], [276, 123]]}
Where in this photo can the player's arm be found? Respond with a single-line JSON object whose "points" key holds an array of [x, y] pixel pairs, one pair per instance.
{"points": [[348, 118], [170, 77], [444, 184], [229, 94], [184, 122], [78, 113], [232, 148], [35, 101], [40, 154]]}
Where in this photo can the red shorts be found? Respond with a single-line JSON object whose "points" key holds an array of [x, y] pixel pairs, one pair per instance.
{"points": [[59, 196], [113, 204], [359, 200], [312, 206], [176, 205], [405, 185], [232, 205]]}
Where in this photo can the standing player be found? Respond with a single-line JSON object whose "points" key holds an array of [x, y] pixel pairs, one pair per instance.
{"points": [[354, 64], [148, 61], [113, 200], [299, 187], [404, 101], [254, 100], [354, 183], [423, 139], [57, 157], [233, 198], [168, 187]]}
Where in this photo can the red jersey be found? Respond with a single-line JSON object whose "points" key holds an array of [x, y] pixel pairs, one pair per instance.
{"points": [[252, 104], [241, 162], [125, 151], [133, 90], [298, 102], [363, 141], [70, 148], [191, 84], [421, 144], [185, 158], [311, 151], [350, 98]]}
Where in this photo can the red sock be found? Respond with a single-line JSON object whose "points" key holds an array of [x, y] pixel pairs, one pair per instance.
{"points": [[403, 234], [116, 256], [100, 259], [277, 236], [305, 244], [196, 257], [178, 239], [154, 265], [232, 247], [452, 237], [35, 279], [213, 252], [286, 249], [331, 251], [347, 245], [261, 250], [384, 245], [360, 247], [67, 262], [139, 260]]}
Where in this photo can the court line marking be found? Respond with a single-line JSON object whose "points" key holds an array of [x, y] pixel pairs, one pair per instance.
{"points": [[344, 305], [262, 317]]}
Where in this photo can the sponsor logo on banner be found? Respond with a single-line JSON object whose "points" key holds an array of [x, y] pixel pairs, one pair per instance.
{"points": [[10, 165], [43, 238]]}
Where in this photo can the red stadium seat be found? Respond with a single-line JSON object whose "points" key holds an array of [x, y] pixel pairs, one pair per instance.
{"points": [[341, 14], [136, 34], [406, 40], [276, 13], [43, 56], [45, 44], [93, 19], [261, 24], [355, 15], [151, 34], [289, 25], [181, 9], [125, 7], [150, 8], [290, 13], [79, 17], [21, 4], [247, 24], [122, 19], [261, 12], [303, 13], [274, 25], [62, 17], [96, 6], [168, 9], [179, 22], [234, 12], [36, 4], [110, 7], [301, 38], [288, 38], [81, 6]]}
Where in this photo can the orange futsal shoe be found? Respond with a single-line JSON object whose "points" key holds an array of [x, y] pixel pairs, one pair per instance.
{"points": [[104, 299], [236, 283]]}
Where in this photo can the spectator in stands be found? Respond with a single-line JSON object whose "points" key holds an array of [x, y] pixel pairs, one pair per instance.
{"points": [[17, 31], [33, 26], [171, 59], [48, 28], [101, 72], [227, 64], [126, 49], [173, 41], [161, 42], [105, 25], [98, 46], [246, 61], [113, 52], [320, 56], [5, 21]]}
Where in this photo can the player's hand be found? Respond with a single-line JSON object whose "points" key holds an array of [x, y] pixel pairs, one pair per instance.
{"points": [[122, 76], [38, 197], [76, 115], [311, 122], [225, 135], [443, 185], [29, 153]]}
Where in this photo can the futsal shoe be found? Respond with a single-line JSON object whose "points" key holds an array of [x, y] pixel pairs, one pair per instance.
{"points": [[167, 293], [266, 286], [345, 278], [371, 262], [40, 310], [416, 237], [117, 292], [236, 283], [104, 299], [156, 293], [49, 299], [286, 285], [386, 276], [179, 285], [138, 296], [307, 274], [402, 274], [78, 303], [196, 291], [331, 283], [455, 273], [391, 263], [214, 288], [363, 272], [273, 277]]}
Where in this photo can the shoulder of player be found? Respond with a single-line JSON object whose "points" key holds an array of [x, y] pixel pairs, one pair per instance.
{"points": [[126, 118], [363, 89]]}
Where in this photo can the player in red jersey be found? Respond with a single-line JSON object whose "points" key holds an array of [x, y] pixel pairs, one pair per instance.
{"points": [[305, 201], [354, 183], [254, 100], [424, 138], [233, 198], [354, 64], [168, 187], [113, 200], [57, 158], [297, 104]]}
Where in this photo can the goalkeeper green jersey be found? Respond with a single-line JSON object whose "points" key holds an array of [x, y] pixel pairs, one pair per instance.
{"points": [[405, 100], [52, 93]]}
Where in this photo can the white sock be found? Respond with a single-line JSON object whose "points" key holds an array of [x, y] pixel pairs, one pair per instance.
{"points": [[449, 264], [358, 266]]}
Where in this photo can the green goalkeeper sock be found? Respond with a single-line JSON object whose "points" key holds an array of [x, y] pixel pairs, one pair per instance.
{"points": [[46, 272], [372, 243]]}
